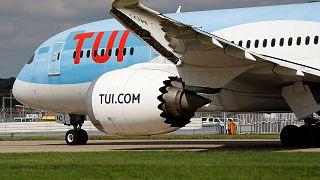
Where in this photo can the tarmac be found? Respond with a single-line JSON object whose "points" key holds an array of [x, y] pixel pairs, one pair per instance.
{"points": [[148, 145]]}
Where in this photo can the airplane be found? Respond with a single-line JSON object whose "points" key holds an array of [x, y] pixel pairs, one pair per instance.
{"points": [[147, 73]]}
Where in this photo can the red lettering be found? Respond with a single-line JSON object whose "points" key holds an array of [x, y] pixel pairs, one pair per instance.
{"points": [[97, 58], [81, 38], [122, 45], [105, 57]]}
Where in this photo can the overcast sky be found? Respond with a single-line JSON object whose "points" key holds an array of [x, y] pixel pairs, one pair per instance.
{"points": [[25, 24]]}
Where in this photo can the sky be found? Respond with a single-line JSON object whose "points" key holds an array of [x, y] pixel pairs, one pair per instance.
{"points": [[25, 24]]}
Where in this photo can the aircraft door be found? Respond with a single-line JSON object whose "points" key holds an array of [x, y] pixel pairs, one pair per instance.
{"points": [[55, 58]]}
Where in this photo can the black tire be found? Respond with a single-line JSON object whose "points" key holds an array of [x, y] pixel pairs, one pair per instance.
{"points": [[83, 137], [305, 139], [309, 136], [289, 136], [72, 137], [315, 136]]}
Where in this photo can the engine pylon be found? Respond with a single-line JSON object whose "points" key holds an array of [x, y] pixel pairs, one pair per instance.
{"points": [[177, 104]]}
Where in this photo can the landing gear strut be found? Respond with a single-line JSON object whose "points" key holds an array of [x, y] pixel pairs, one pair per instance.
{"points": [[76, 136], [304, 136]]}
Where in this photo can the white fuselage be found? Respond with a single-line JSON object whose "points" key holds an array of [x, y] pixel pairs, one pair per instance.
{"points": [[72, 98]]}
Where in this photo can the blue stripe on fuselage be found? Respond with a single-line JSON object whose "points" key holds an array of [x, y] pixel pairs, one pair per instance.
{"points": [[210, 21]]}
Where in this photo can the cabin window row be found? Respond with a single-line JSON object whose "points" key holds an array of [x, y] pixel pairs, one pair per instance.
{"points": [[103, 51], [281, 42]]}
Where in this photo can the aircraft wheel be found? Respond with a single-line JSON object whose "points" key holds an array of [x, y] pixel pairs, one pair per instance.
{"points": [[289, 136], [72, 137], [76, 137], [315, 136], [305, 136], [309, 136], [83, 137]]}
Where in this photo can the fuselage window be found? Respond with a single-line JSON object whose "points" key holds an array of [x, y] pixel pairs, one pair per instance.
{"points": [[240, 43], [248, 44], [307, 40], [131, 51], [232, 42], [81, 54], [299, 41], [88, 53], [125, 51], [316, 39], [74, 54], [281, 42], [102, 52], [273, 42], [95, 53], [265, 43], [117, 51], [110, 52], [256, 43], [290, 41]]}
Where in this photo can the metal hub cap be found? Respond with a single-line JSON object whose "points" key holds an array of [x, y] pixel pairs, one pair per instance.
{"points": [[70, 137]]}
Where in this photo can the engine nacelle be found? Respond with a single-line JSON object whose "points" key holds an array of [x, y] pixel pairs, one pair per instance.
{"points": [[124, 102]]}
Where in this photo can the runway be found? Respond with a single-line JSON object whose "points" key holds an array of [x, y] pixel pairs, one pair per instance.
{"points": [[148, 145]]}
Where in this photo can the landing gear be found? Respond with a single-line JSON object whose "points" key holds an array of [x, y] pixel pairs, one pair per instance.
{"points": [[304, 136], [77, 136]]}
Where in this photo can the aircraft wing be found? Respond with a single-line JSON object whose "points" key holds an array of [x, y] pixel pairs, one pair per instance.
{"points": [[182, 42]]}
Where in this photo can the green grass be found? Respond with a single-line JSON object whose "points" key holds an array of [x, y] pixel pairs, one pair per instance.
{"points": [[159, 137], [161, 165]]}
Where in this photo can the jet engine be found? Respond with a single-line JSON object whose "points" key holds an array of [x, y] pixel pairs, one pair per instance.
{"points": [[141, 102]]}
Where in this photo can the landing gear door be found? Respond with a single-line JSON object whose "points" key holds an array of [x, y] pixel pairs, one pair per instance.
{"points": [[55, 58], [63, 119]]}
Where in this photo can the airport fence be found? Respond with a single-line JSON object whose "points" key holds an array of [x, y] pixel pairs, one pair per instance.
{"points": [[55, 129], [46, 129], [270, 127], [255, 124], [266, 127]]}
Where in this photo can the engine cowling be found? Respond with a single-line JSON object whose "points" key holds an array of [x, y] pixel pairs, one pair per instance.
{"points": [[140, 102]]}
